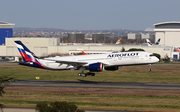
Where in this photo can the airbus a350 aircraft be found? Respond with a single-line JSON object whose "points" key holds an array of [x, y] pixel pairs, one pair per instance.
{"points": [[93, 63], [150, 44]]}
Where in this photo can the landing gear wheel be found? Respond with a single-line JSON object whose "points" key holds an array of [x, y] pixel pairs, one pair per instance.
{"points": [[92, 74], [79, 74], [84, 75], [149, 70]]}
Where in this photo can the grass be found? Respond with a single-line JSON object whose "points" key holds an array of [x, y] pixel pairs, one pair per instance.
{"points": [[29, 97], [159, 74]]}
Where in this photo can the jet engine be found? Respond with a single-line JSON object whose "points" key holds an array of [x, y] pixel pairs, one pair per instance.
{"points": [[96, 67], [112, 68]]}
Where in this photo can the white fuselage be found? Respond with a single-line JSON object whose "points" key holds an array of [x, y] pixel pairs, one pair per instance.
{"points": [[113, 59]]}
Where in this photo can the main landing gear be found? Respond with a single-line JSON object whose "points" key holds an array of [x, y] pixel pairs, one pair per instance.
{"points": [[86, 74]]}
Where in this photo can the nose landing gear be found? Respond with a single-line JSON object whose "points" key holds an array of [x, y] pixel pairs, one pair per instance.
{"points": [[149, 67]]}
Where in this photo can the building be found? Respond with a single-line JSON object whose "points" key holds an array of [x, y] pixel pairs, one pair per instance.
{"points": [[40, 46], [134, 36], [147, 36], [76, 37], [169, 32], [99, 37], [141, 36], [5, 31], [47, 46]]}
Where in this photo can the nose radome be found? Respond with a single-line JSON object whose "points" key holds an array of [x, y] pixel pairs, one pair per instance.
{"points": [[156, 59]]}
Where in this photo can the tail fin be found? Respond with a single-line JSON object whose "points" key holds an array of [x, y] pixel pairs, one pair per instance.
{"points": [[157, 43], [119, 40], [29, 58], [25, 48], [148, 42]]}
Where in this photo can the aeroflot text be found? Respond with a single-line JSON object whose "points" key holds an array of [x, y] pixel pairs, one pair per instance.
{"points": [[122, 55]]}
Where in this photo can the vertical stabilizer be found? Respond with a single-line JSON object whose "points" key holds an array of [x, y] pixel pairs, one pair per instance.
{"points": [[29, 58], [158, 41], [119, 40], [83, 52], [148, 42]]}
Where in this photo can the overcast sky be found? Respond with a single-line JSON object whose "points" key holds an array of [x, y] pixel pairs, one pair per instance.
{"points": [[89, 14]]}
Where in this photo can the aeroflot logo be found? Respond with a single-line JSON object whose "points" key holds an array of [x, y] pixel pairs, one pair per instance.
{"points": [[122, 55]]}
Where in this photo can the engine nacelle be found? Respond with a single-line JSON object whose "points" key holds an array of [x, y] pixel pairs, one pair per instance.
{"points": [[96, 67], [112, 68]]}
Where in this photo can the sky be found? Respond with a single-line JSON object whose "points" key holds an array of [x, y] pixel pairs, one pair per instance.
{"points": [[89, 14]]}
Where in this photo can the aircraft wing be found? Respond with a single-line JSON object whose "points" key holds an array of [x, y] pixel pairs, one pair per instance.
{"points": [[68, 62], [75, 63], [78, 63]]}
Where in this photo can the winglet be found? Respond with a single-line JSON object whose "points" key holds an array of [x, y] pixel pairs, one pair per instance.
{"points": [[83, 52]]}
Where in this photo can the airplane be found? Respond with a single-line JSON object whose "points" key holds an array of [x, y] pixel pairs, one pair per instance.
{"points": [[119, 40], [93, 63], [150, 44], [176, 48]]}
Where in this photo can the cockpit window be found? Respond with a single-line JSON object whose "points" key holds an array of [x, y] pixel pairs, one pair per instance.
{"points": [[151, 55]]}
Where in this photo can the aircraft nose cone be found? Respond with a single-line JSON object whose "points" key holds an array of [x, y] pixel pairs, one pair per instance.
{"points": [[156, 59]]}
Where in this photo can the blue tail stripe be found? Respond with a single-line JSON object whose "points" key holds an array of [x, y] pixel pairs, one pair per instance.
{"points": [[158, 42], [25, 48]]}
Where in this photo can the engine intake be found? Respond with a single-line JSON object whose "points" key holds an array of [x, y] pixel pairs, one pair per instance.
{"points": [[96, 67]]}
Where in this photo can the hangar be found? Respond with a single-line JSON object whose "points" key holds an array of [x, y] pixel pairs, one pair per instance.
{"points": [[5, 31], [169, 32]]}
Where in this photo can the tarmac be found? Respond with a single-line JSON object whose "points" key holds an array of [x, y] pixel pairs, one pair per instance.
{"points": [[33, 110], [94, 84]]}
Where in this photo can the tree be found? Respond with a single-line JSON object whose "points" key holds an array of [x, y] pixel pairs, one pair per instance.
{"points": [[157, 55], [57, 107], [4, 80], [43, 107], [166, 59], [123, 49]]}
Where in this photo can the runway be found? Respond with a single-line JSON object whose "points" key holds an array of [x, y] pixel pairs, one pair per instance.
{"points": [[91, 84], [8, 63], [33, 110]]}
